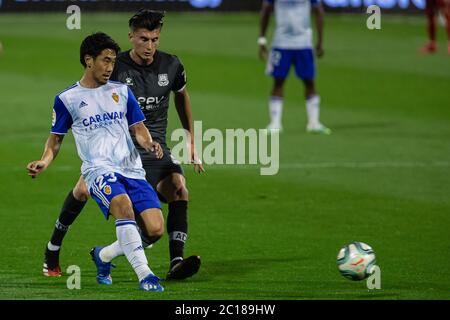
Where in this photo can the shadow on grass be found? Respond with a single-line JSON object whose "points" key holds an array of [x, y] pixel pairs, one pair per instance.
{"points": [[243, 267]]}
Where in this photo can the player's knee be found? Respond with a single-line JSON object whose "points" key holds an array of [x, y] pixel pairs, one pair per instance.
{"points": [[309, 87], [156, 228], [277, 88], [182, 192], [175, 189], [80, 192], [124, 213], [158, 232], [148, 239], [121, 208], [179, 192], [277, 91]]}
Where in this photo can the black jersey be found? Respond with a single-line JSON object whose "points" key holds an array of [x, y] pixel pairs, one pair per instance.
{"points": [[151, 86]]}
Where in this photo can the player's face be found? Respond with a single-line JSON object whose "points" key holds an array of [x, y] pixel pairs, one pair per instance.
{"points": [[102, 66], [145, 43]]}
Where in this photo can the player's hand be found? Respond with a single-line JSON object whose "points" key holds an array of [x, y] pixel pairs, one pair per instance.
{"points": [[319, 51], [156, 149], [263, 53], [198, 166], [36, 167]]}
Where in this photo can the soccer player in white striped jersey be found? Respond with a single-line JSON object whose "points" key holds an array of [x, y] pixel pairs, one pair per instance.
{"points": [[292, 45], [100, 113]]}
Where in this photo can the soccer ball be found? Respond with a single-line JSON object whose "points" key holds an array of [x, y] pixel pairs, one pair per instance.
{"points": [[356, 260]]}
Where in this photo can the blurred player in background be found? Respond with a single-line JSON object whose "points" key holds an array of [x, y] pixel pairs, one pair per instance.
{"points": [[292, 45], [151, 75], [431, 10], [100, 114]]}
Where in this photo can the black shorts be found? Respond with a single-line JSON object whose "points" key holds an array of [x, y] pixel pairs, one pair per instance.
{"points": [[158, 169]]}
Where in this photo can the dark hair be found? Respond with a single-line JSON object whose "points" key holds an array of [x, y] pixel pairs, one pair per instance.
{"points": [[94, 44], [147, 19]]}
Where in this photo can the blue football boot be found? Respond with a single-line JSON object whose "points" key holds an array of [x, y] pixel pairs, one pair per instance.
{"points": [[103, 268], [151, 283]]}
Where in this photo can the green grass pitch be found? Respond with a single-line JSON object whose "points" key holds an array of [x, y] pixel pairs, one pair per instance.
{"points": [[382, 177]]}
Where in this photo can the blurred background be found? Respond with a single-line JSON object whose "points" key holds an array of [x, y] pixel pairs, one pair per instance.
{"points": [[382, 177], [407, 6]]}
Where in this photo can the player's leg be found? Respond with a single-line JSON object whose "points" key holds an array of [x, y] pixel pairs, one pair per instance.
{"points": [[276, 105], [118, 199], [73, 204], [444, 6], [130, 241], [430, 12], [147, 207], [173, 189], [150, 228], [313, 109], [103, 193], [278, 66], [447, 24], [151, 225], [306, 70]]}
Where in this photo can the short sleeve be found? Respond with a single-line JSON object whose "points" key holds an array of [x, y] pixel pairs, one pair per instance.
{"points": [[269, 1], [315, 2], [134, 112], [180, 79], [61, 119]]}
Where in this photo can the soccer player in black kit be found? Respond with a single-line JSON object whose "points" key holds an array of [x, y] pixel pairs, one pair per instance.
{"points": [[151, 75]]}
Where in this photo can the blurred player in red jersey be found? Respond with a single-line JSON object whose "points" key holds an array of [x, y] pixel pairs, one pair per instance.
{"points": [[431, 10]]}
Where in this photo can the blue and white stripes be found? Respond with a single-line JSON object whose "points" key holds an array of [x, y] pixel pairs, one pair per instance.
{"points": [[98, 193], [122, 222]]}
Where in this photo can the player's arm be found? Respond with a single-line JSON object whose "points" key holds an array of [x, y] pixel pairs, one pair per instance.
{"points": [[183, 106], [318, 12], [61, 123], [144, 138], [264, 19], [52, 147], [135, 119]]}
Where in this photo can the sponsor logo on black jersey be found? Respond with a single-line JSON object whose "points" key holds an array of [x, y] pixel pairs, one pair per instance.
{"points": [[129, 81], [163, 80], [150, 103]]}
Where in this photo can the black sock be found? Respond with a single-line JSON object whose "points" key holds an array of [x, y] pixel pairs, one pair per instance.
{"points": [[69, 212], [177, 228]]}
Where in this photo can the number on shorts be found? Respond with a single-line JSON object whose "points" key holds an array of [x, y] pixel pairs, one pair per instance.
{"points": [[101, 184]]}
